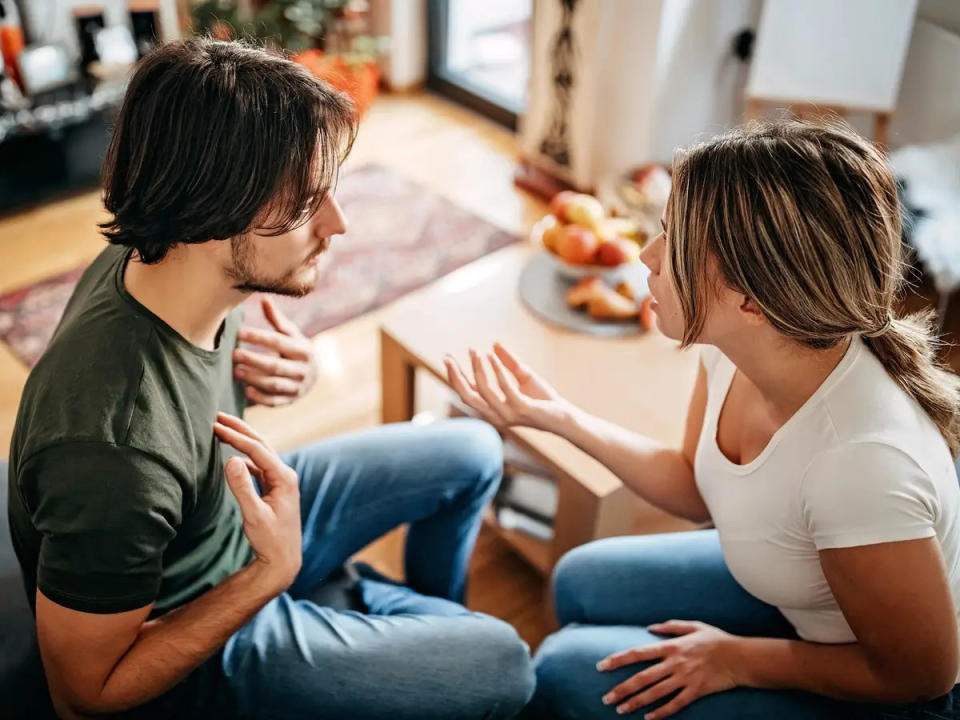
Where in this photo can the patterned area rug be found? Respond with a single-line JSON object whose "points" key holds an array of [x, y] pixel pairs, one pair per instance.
{"points": [[401, 236]]}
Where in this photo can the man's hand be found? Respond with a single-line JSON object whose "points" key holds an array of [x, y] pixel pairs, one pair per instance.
{"points": [[280, 377], [271, 522], [701, 660]]}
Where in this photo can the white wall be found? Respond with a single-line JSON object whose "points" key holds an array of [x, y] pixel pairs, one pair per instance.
{"points": [[405, 23], [700, 83]]}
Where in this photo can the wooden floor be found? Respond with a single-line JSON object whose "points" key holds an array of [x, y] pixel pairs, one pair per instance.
{"points": [[444, 147]]}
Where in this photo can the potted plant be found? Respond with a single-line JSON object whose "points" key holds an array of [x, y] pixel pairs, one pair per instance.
{"points": [[327, 36]]}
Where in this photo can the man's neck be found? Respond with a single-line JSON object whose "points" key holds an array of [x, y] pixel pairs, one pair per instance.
{"points": [[187, 290]]}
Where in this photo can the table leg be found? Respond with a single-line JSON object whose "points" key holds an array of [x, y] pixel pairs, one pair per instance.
{"points": [[397, 378]]}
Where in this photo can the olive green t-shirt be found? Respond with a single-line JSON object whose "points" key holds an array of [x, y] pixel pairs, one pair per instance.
{"points": [[117, 493]]}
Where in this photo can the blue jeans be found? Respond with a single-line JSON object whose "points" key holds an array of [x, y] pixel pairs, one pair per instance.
{"points": [[416, 652], [605, 594]]}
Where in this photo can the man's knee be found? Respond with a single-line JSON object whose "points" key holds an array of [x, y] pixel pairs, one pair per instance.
{"points": [[500, 670], [477, 446]]}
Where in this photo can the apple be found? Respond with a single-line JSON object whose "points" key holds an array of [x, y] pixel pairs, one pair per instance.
{"points": [[550, 237], [585, 210], [617, 252], [577, 245], [558, 204]]}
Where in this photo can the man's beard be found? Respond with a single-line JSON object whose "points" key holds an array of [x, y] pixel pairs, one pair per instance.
{"points": [[246, 278]]}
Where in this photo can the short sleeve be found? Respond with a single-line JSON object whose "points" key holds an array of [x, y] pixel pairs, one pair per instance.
{"points": [[106, 514], [865, 493]]}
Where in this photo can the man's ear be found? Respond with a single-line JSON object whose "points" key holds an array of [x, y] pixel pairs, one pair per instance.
{"points": [[750, 311]]}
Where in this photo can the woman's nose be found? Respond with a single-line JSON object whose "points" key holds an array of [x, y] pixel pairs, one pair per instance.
{"points": [[650, 255]]}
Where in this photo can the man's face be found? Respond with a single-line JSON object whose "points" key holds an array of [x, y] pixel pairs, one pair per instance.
{"points": [[285, 264]]}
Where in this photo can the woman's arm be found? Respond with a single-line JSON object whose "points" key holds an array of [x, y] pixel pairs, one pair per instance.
{"points": [[897, 600], [506, 393], [661, 475]]}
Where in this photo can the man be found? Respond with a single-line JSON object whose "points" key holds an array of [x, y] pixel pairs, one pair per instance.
{"points": [[156, 591]]}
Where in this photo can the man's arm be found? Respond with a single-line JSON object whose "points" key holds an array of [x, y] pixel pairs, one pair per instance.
{"points": [[107, 663]]}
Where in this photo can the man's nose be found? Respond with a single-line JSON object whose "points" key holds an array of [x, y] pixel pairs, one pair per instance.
{"points": [[334, 221]]}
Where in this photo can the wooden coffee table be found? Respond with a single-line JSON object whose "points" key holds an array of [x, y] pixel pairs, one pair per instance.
{"points": [[642, 383]]}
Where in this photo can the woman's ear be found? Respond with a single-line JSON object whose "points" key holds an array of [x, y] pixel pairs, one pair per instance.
{"points": [[750, 311]]}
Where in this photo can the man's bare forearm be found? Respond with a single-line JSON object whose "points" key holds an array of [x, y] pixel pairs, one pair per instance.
{"points": [[660, 475], [168, 648]]}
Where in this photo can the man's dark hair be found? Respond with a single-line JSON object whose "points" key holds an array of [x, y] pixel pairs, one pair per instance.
{"points": [[218, 138]]}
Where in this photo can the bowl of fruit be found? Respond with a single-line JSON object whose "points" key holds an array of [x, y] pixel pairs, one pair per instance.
{"points": [[583, 241]]}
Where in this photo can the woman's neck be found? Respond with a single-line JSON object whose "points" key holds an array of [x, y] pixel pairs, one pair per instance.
{"points": [[784, 372]]}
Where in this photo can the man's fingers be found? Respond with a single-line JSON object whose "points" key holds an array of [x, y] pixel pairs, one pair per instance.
{"points": [[271, 364], [270, 384], [232, 421], [276, 318], [241, 485], [257, 451], [634, 655], [268, 400], [283, 344]]}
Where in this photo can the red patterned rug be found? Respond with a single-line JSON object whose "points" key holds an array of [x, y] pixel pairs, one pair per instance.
{"points": [[401, 236]]}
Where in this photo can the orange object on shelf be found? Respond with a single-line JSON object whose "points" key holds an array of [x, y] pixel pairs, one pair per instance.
{"points": [[360, 81], [11, 43]]}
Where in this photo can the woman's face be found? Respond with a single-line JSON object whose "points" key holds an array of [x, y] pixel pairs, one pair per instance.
{"points": [[663, 291], [728, 313]]}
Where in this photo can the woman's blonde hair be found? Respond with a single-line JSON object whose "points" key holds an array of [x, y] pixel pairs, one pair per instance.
{"points": [[804, 219]]}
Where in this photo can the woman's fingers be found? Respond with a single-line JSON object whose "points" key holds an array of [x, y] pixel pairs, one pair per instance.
{"points": [[466, 390], [511, 362], [507, 384], [639, 681], [634, 655], [485, 386], [686, 696], [675, 627], [651, 695]]}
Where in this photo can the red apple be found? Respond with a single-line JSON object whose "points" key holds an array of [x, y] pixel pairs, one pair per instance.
{"points": [[577, 245], [617, 252], [559, 203]]}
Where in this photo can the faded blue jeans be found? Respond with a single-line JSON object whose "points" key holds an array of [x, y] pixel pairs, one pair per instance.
{"points": [[415, 652], [605, 594]]}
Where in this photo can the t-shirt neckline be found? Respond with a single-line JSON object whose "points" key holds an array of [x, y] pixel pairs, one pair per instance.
{"points": [[849, 357], [175, 337]]}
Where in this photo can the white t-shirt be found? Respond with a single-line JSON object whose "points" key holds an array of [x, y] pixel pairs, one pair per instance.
{"points": [[859, 463]]}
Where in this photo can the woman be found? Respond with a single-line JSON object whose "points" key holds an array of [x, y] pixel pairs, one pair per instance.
{"points": [[819, 442]]}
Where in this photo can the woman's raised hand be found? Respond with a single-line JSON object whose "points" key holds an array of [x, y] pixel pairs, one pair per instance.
{"points": [[505, 392]]}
